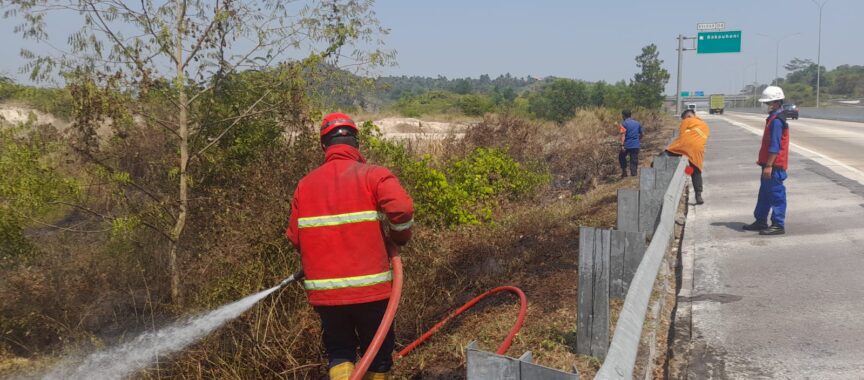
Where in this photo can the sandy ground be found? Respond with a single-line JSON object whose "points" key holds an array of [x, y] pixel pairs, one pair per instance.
{"points": [[391, 127], [15, 114], [405, 127]]}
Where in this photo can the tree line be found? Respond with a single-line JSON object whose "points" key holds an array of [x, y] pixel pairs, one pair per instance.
{"points": [[551, 98], [799, 84]]}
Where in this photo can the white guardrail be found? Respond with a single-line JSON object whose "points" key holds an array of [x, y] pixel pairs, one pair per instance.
{"points": [[621, 358]]}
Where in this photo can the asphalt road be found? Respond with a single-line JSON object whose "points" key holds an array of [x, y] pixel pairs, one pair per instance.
{"points": [[789, 306], [840, 141]]}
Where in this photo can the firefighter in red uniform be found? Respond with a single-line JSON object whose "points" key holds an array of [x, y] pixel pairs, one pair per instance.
{"points": [[338, 216]]}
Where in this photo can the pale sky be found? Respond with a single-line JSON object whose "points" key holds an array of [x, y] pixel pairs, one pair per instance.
{"points": [[593, 40], [598, 40]]}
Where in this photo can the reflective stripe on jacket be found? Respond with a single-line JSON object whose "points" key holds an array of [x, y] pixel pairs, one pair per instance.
{"points": [[782, 160], [336, 224]]}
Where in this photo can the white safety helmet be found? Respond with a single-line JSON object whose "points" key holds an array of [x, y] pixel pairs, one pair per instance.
{"points": [[772, 93]]}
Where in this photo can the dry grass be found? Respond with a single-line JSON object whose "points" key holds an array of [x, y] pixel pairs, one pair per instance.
{"points": [[533, 244]]}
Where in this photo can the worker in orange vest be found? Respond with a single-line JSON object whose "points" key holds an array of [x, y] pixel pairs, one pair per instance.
{"points": [[339, 215], [692, 137]]}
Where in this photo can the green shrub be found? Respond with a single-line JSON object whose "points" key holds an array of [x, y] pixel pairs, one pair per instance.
{"points": [[28, 188], [55, 101], [436, 202], [476, 105], [461, 192], [489, 172], [443, 102]]}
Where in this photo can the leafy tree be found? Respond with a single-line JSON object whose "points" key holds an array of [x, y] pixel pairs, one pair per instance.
{"points": [[800, 93], [558, 100], [803, 71], [618, 95], [461, 86], [847, 80], [475, 105], [28, 189], [154, 67], [649, 84], [503, 97]]}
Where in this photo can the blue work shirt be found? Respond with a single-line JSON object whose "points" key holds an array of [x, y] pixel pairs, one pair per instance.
{"points": [[776, 132], [632, 133]]}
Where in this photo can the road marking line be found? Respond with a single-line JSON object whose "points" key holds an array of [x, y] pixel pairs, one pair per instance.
{"points": [[830, 163]]}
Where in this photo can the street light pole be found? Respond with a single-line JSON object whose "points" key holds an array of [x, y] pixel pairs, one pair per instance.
{"points": [[744, 75], [755, 80], [819, 53]]}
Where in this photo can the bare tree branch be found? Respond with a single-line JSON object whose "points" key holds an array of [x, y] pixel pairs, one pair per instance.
{"points": [[245, 114]]}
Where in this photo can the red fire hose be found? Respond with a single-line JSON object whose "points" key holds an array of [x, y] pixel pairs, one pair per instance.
{"points": [[505, 345], [390, 313]]}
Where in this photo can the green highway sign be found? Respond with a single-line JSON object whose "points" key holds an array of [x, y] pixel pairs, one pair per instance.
{"points": [[685, 93], [719, 42]]}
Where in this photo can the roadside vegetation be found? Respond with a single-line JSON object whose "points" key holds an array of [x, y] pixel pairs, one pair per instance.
{"points": [[143, 210], [844, 82]]}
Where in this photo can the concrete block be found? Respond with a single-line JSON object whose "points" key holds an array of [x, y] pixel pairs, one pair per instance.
{"points": [[628, 210], [650, 203], [600, 320], [585, 294], [646, 179]]}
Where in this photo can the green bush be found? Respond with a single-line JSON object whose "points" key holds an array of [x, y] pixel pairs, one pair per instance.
{"points": [[55, 101], [28, 188], [436, 202], [461, 192], [476, 105], [488, 172], [443, 102]]}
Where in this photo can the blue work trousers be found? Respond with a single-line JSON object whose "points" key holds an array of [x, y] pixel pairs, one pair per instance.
{"points": [[634, 160], [772, 197]]}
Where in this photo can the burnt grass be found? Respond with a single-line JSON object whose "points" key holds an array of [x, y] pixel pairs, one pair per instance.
{"points": [[239, 248], [534, 246]]}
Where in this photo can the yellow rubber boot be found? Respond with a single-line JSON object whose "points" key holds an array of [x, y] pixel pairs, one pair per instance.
{"points": [[341, 371], [376, 376]]}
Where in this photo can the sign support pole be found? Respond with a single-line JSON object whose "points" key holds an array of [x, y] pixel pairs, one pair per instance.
{"points": [[680, 63], [681, 50]]}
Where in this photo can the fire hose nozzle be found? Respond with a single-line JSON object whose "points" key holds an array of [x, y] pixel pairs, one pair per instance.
{"points": [[292, 278]]}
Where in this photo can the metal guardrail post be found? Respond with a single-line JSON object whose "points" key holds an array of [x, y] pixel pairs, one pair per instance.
{"points": [[592, 317], [482, 365], [621, 357]]}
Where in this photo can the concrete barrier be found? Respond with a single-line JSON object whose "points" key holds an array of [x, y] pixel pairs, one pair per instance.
{"points": [[621, 356], [609, 259], [855, 114]]}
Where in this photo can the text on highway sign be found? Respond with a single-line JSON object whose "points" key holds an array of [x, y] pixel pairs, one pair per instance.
{"points": [[718, 42], [711, 26]]}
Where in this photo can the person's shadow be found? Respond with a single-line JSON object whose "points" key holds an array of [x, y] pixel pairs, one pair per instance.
{"points": [[735, 226]]}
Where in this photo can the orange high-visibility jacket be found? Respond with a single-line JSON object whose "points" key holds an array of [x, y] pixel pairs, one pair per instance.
{"points": [[692, 136], [336, 218]]}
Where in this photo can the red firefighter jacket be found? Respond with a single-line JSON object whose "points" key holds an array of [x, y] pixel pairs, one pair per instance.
{"points": [[336, 223]]}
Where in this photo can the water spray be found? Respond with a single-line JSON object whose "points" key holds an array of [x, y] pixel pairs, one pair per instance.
{"points": [[125, 359]]}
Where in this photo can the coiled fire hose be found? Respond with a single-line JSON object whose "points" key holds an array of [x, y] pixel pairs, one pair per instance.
{"points": [[390, 313]]}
